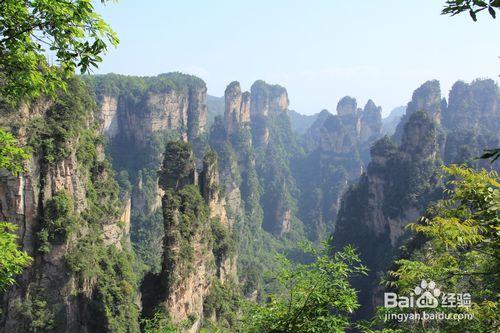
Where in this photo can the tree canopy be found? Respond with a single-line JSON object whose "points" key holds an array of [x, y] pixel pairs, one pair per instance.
{"points": [[68, 31], [316, 296], [473, 7]]}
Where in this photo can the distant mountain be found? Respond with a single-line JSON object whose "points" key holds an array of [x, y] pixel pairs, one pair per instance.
{"points": [[390, 122], [215, 106], [301, 122]]}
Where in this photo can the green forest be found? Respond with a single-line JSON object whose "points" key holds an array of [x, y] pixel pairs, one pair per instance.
{"points": [[142, 203]]}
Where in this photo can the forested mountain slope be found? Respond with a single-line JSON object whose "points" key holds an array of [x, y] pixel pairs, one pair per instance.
{"points": [[401, 179], [134, 206]]}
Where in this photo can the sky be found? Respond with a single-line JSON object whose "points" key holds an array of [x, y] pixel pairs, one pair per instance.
{"points": [[319, 50]]}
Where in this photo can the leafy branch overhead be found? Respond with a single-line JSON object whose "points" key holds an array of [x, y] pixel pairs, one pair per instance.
{"points": [[454, 7], [69, 31]]}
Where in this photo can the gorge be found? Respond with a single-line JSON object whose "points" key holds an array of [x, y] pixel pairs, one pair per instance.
{"points": [[139, 199]]}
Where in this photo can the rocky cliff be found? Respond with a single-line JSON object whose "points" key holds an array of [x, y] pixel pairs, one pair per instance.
{"points": [[71, 222], [468, 121], [253, 126], [471, 121], [266, 101], [401, 179], [139, 115], [335, 154], [195, 250], [426, 98], [394, 191], [135, 108]]}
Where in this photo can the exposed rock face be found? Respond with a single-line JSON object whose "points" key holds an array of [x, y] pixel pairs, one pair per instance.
{"points": [[470, 122], [192, 208], [347, 105], [266, 101], [139, 115], [374, 213], [237, 107], [426, 98], [216, 202], [336, 147], [245, 107], [108, 116], [371, 122], [401, 180], [169, 102], [249, 121], [114, 233], [472, 105], [50, 189], [278, 215], [232, 113], [313, 133]]}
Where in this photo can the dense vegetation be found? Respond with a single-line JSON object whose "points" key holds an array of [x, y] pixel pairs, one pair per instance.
{"points": [[73, 32], [290, 186], [12, 260], [455, 245], [317, 296], [66, 132]]}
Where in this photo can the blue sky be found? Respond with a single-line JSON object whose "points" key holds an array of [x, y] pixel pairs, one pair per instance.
{"points": [[320, 50]]}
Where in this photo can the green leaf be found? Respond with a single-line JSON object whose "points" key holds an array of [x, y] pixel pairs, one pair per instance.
{"points": [[492, 11]]}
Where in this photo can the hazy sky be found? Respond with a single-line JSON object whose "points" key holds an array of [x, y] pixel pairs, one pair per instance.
{"points": [[319, 50]]}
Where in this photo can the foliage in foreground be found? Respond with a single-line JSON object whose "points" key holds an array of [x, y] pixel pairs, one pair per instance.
{"points": [[461, 253], [473, 7], [12, 260], [317, 296], [70, 30], [11, 156]]}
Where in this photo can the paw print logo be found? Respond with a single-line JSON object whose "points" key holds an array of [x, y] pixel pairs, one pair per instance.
{"points": [[428, 293]]}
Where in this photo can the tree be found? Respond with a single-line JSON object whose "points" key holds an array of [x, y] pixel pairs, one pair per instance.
{"points": [[454, 7], [11, 156], [68, 30], [460, 251], [160, 323], [12, 260], [316, 297]]}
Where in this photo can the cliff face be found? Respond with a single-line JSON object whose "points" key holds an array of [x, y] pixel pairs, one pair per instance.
{"points": [[398, 184], [347, 105], [136, 108], [336, 148], [265, 101], [471, 121], [468, 121], [371, 122], [401, 180], [138, 116], [195, 219], [237, 107], [253, 127], [425, 98], [54, 204]]}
